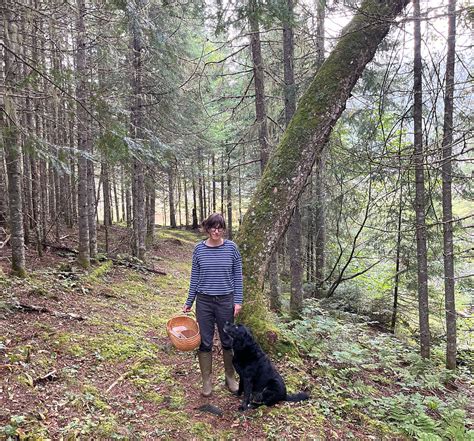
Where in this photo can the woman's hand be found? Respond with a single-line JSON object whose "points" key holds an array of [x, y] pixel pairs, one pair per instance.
{"points": [[237, 309], [186, 309]]}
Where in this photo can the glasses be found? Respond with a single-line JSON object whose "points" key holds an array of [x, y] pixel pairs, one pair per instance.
{"points": [[219, 229]]}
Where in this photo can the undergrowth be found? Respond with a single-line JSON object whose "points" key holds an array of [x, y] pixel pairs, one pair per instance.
{"points": [[379, 378]]}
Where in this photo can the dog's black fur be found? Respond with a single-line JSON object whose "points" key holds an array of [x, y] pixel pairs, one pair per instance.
{"points": [[259, 380]]}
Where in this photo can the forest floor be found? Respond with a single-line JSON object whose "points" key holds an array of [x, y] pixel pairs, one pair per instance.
{"points": [[84, 355]]}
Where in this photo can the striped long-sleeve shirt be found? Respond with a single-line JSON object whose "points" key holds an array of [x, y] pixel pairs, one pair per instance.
{"points": [[216, 271]]}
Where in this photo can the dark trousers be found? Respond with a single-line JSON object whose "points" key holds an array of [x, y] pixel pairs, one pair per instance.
{"points": [[211, 311]]}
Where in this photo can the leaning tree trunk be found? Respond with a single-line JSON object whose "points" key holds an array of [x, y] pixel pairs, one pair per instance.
{"points": [[421, 257], [290, 164], [447, 197], [11, 144]]}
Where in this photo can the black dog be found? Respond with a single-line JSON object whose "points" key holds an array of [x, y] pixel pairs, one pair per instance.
{"points": [[259, 380]]}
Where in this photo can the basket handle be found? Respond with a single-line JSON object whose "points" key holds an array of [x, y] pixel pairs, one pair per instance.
{"points": [[178, 314]]}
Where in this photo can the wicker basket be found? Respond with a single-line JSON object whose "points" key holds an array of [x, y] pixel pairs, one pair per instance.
{"points": [[183, 332]]}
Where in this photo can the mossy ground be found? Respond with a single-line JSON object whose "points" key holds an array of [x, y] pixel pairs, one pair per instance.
{"points": [[116, 376]]}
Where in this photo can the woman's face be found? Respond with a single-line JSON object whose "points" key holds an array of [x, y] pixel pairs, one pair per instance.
{"points": [[216, 232]]}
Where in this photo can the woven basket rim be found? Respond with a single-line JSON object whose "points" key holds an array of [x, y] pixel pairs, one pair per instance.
{"points": [[185, 343]]}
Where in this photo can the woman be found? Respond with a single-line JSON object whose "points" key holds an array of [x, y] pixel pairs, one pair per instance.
{"points": [[216, 284]]}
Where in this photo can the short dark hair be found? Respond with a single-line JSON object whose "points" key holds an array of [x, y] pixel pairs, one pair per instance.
{"points": [[215, 220]]}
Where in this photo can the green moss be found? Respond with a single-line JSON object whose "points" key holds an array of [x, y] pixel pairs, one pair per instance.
{"points": [[202, 430], [153, 397], [120, 347], [70, 343], [173, 418], [99, 272], [188, 237], [92, 395]]}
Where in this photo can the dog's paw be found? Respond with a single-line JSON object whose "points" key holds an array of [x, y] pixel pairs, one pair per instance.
{"points": [[243, 407]]}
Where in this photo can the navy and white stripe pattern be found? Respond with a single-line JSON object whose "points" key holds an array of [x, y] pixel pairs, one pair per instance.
{"points": [[216, 271]]}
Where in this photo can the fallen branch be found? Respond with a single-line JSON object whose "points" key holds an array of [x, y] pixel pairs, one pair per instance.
{"points": [[137, 266], [116, 261], [61, 248], [33, 308], [50, 376], [118, 380], [5, 241]]}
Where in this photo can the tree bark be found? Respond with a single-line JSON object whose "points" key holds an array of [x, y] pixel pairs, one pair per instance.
{"points": [[151, 212], [3, 192], [171, 188], [290, 164], [91, 205], [319, 226], [106, 193], [258, 78], [230, 231], [83, 208], [214, 183], [195, 225], [450, 304], [186, 204], [421, 248], [138, 189], [10, 124], [294, 230]]}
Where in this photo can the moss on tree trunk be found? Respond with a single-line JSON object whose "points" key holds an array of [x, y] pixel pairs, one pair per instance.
{"points": [[305, 137]]}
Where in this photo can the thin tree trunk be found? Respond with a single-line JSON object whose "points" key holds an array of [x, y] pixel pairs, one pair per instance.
{"points": [[259, 84], [320, 31], [318, 239], [186, 205], [171, 185], [214, 196], [116, 196], [138, 189], [296, 268], [450, 304], [261, 118], [3, 190], [318, 250], [92, 206], [195, 219], [10, 123], [106, 196], [230, 232], [421, 248], [178, 182], [151, 211], [222, 182], [294, 230], [398, 251], [83, 208]]}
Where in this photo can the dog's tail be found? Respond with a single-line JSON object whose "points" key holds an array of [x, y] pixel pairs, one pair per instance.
{"points": [[300, 396]]}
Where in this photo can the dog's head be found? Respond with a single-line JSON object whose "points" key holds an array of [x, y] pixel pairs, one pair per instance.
{"points": [[241, 335]]}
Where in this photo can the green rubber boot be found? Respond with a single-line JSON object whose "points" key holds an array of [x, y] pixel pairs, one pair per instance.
{"points": [[205, 364], [230, 380]]}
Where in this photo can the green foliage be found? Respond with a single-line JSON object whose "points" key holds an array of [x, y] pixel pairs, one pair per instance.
{"points": [[11, 430], [351, 360]]}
